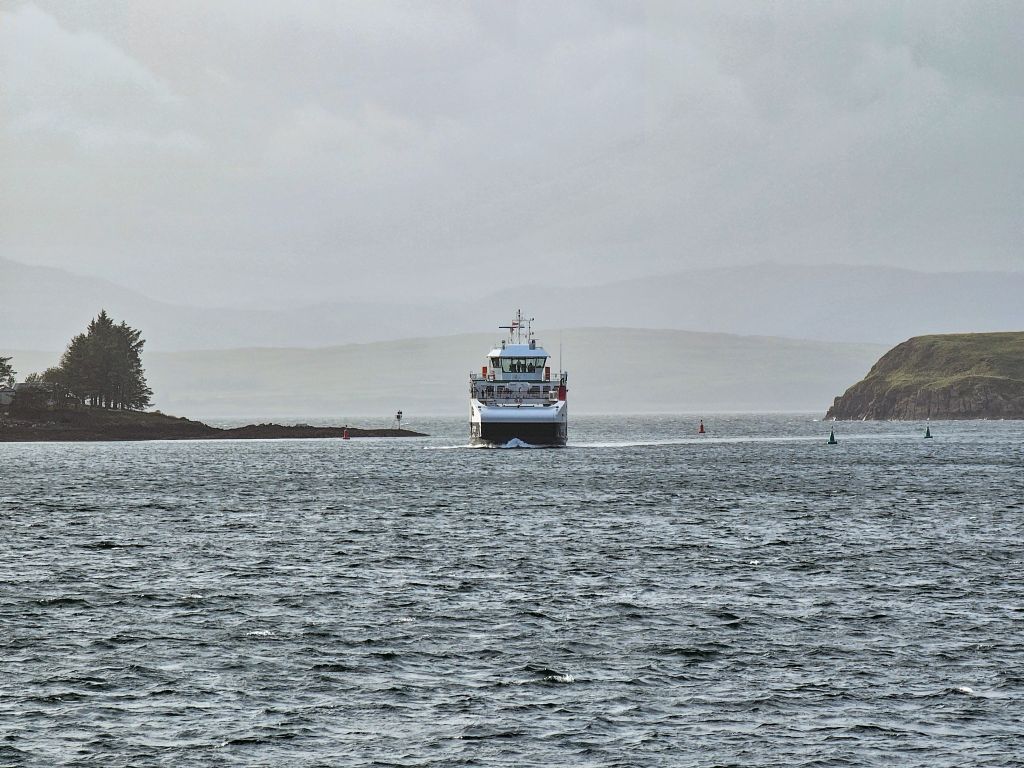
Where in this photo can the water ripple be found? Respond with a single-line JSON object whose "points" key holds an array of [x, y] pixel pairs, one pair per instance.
{"points": [[646, 598]]}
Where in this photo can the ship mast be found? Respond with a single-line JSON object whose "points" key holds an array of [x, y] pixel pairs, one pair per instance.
{"points": [[515, 330]]}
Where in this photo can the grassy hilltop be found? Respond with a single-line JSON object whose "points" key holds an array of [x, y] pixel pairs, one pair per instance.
{"points": [[952, 376]]}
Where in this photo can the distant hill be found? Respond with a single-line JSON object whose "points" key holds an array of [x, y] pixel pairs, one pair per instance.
{"points": [[41, 308], [611, 370], [955, 376]]}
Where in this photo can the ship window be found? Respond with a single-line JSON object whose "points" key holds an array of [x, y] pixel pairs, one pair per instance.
{"points": [[494, 362], [522, 364]]}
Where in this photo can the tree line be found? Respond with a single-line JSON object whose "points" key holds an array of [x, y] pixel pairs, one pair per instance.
{"points": [[101, 368]]}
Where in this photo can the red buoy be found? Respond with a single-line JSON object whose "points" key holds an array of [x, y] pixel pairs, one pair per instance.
{"points": [[344, 435], [701, 430]]}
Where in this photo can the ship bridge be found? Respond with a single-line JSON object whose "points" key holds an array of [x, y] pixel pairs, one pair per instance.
{"points": [[518, 362], [517, 373]]}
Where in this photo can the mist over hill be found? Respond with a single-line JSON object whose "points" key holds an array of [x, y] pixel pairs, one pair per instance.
{"points": [[879, 305], [611, 370], [41, 308]]}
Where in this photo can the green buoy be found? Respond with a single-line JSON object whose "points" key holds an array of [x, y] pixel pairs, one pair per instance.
{"points": [[928, 433], [832, 437]]}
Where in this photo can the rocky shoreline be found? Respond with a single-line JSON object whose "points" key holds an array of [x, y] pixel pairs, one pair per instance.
{"points": [[969, 398], [94, 425]]}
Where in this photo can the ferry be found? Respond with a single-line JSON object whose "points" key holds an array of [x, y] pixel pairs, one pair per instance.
{"points": [[514, 400]]}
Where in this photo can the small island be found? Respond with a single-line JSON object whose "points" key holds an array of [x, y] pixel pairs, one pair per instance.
{"points": [[949, 376], [99, 392]]}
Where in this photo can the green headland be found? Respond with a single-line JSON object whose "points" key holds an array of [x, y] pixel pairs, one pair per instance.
{"points": [[950, 376]]}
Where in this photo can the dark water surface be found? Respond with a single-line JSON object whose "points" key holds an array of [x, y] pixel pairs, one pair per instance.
{"points": [[642, 598]]}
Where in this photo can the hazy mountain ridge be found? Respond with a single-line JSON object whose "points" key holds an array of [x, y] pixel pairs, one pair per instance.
{"points": [[880, 305], [42, 308], [610, 370]]}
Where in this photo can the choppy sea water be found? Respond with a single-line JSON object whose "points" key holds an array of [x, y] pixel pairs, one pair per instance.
{"points": [[644, 597]]}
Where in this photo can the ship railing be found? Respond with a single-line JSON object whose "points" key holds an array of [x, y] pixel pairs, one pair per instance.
{"points": [[537, 393]]}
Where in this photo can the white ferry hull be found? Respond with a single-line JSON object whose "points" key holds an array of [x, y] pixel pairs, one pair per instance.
{"points": [[537, 425]]}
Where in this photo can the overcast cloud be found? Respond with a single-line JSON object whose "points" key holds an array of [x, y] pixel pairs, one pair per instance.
{"points": [[236, 151]]}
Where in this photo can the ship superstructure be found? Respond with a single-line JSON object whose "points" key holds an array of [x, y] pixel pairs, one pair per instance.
{"points": [[515, 398]]}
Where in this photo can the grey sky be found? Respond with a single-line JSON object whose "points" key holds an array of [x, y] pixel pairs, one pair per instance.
{"points": [[233, 151]]}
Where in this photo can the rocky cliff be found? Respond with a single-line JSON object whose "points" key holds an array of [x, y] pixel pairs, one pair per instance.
{"points": [[954, 376]]}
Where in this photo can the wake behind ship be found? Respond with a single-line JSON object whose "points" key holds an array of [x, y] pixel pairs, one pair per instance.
{"points": [[514, 397]]}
